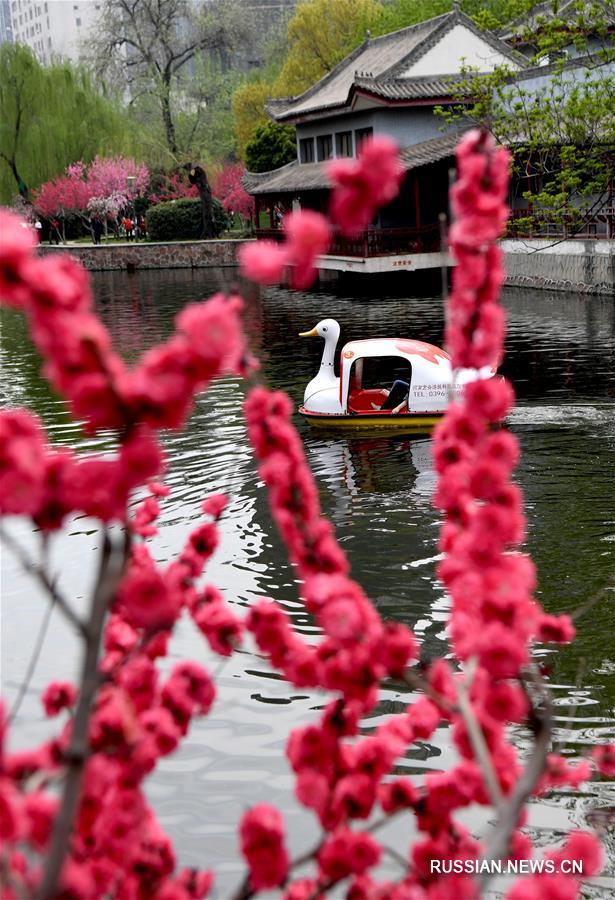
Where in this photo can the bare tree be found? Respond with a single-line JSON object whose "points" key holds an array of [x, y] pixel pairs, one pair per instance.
{"points": [[152, 42]]}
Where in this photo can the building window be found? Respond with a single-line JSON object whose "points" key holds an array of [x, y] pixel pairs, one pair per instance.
{"points": [[361, 134], [324, 147], [306, 150], [343, 143], [78, 21]]}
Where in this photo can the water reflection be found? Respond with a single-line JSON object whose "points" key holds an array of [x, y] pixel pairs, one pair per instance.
{"points": [[561, 358]]}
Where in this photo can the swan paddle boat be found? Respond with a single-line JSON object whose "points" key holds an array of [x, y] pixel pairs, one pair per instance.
{"points": [[384, 383]]}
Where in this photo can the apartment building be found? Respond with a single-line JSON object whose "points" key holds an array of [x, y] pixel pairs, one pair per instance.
{"points": [[54, 29]]}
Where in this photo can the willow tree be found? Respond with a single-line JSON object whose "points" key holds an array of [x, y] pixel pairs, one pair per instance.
{"points": [[50, 117]]}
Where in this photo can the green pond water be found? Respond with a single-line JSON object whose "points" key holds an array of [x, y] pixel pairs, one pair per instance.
{"points": [[561, 359]]}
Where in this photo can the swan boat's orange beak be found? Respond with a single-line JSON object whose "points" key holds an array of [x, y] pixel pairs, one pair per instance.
{"points": [[312, 333]]}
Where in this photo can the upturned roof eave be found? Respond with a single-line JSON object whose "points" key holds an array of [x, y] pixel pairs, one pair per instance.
{"points": [[285, 109]]}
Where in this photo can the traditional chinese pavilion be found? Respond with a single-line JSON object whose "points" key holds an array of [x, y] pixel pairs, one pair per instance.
{"points": [[388, 85]]}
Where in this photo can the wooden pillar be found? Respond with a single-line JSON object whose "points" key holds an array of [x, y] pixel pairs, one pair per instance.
{"points": [[257, 211], [417, 200]]}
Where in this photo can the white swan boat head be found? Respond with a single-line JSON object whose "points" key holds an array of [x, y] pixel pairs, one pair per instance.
{"points": [[393, 383]]}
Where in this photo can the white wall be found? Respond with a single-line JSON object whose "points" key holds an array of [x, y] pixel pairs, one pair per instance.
{"points": [[460, 46]]}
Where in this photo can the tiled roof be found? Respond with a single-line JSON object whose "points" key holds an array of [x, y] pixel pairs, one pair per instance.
{"points": [[371, 58], [379, 59], [291, 177], [432, 151], [408, 88], [313, 176]]}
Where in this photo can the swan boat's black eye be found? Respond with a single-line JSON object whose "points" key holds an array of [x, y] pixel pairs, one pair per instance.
{"points": [[325, 328]]}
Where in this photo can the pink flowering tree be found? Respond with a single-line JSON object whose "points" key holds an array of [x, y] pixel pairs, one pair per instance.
{"points": [[104, 187], [172, 187], [117, 175], [74, 818], [228, 188], [70, 193]]}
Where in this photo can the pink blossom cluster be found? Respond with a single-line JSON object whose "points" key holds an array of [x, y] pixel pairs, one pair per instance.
{"points": [[307, 235], [92, 186], [228, 188], [475, 320], [362, 185], [172, 187], [495, 617], [79, 361], [117, 846]]}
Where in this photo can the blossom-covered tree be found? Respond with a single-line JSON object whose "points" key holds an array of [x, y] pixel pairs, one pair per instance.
{"points": [[229, 190], [171, 187], [105, 181], [74, 817]]}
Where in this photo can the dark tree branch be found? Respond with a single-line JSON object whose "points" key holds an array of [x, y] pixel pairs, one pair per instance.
{"points": [[508, 818], [40, 574], [113, 561]]}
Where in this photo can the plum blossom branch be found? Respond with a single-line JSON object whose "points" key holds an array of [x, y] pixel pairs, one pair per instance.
{"points": [[499, 842], [113, 560], [481, 750]]}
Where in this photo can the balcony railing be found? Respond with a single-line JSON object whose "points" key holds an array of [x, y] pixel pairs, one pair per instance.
{"points": [[376, 241], [583, 223]]}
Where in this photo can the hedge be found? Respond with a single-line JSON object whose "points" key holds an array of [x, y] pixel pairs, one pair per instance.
{"points": [[181, 220]]}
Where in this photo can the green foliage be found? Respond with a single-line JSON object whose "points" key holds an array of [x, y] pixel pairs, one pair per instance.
{"points": [[321, 34], [51, 117], [561, 131], [182, 220], [401, 13], [271, 146], [249, 111], [489, 14]]}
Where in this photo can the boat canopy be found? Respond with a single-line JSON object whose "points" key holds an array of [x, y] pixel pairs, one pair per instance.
{"points": [[431, 369]]}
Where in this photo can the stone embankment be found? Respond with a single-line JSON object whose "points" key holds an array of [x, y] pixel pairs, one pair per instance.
{"points": [[583, 266], [132, 256]]}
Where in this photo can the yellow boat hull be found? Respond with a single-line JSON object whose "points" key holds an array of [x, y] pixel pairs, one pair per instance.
{"points": [[395, 423]]}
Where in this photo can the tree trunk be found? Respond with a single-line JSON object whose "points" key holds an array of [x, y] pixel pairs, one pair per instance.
{"points": [[22, 187], [198, 176], [169, 125]]}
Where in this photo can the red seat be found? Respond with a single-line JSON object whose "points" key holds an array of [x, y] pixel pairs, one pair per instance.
{"points": [[361, 401]]}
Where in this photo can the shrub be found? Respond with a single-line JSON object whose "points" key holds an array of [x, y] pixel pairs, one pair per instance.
{"points": [[181, 220]]}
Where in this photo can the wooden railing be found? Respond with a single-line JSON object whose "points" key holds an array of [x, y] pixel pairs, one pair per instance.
{"points": [[376, 241], [583, 223]]}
